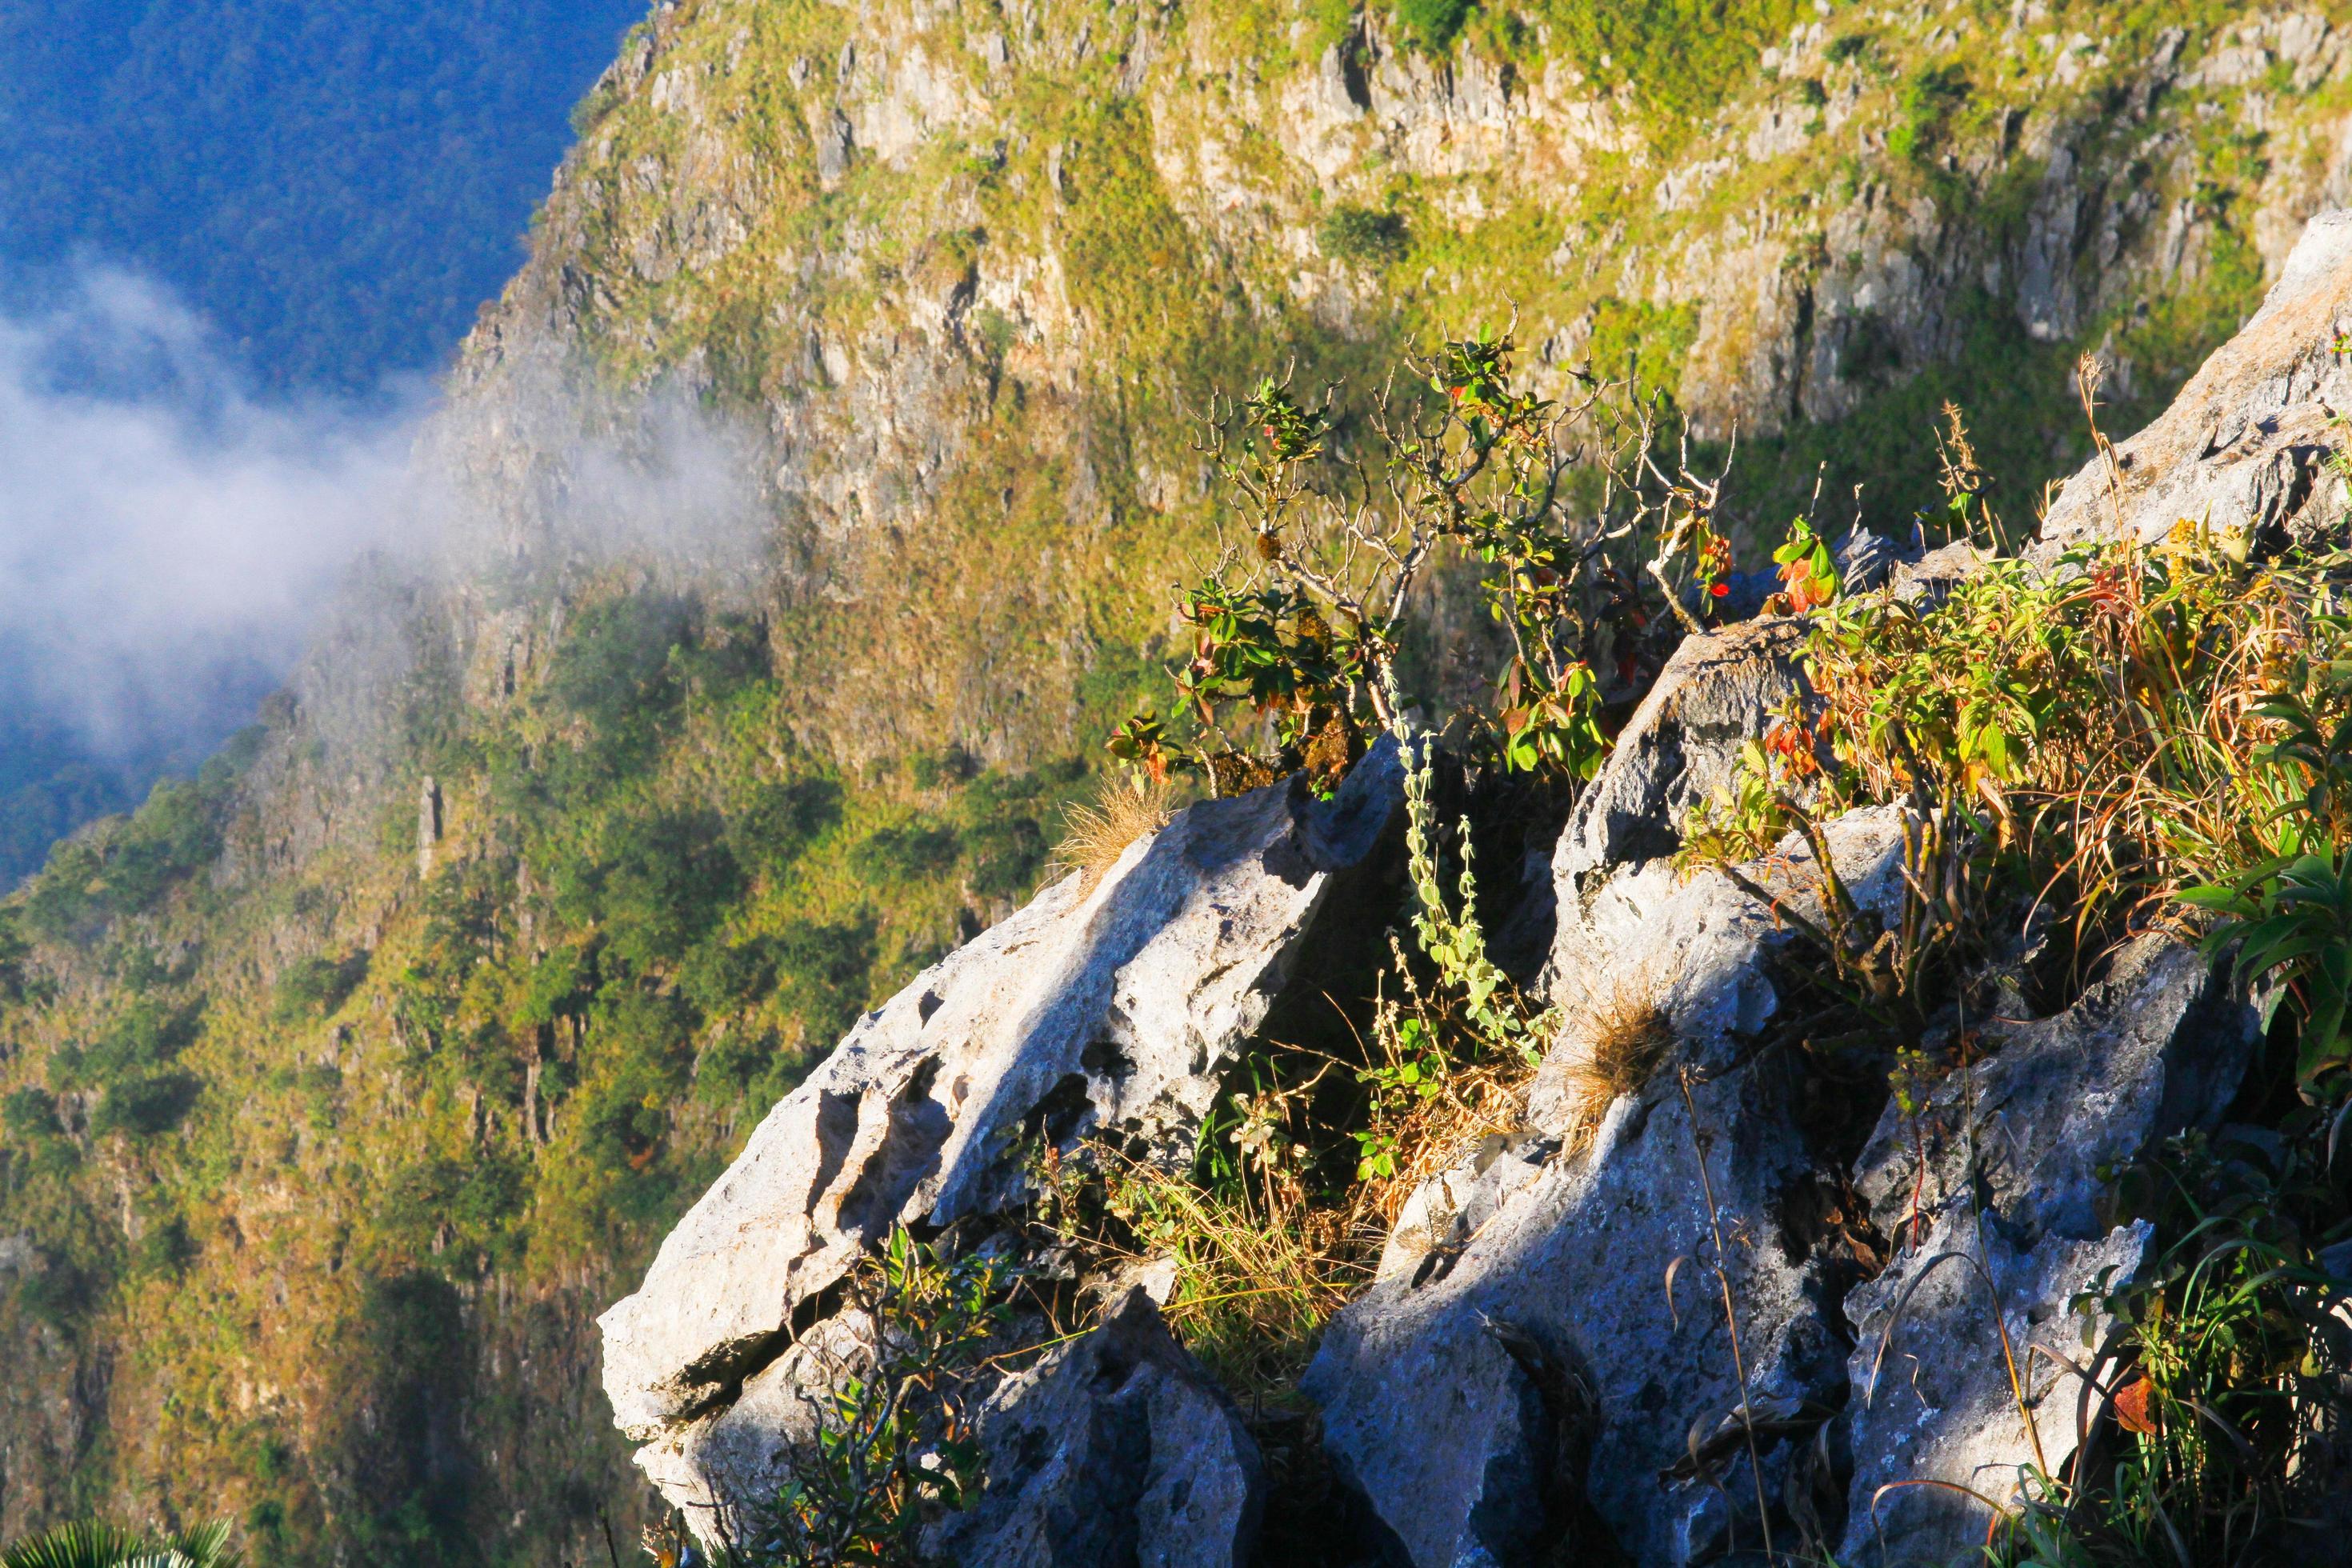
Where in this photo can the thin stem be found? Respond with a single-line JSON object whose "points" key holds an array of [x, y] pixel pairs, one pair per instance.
{"points": [[1730, 1317]]}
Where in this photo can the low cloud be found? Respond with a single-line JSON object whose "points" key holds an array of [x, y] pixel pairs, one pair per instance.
{"points": [[168, 538], [173, 545]]}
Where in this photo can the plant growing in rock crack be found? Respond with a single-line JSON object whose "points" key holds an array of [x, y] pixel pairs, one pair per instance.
{"points": [[891, 1444], [1259, 1259], [1707, 1447], [2289, 917], [1296, 626], [2220, 1411], [2099, 736], [1443, 1059]]}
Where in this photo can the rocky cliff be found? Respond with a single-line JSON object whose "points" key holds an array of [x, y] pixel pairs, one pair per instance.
{"points": [[1878, 1347], [817, 484]]}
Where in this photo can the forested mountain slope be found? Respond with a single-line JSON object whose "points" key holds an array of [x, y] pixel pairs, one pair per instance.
{"points": [[332, 190], [823, 473]]}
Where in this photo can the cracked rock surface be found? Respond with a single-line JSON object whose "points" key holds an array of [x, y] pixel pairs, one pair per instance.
{"points": [[1106, 1011], [2248, 442], [1116, 1450], [1995, 1188]]}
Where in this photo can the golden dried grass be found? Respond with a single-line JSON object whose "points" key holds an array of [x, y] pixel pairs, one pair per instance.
{"points": [[1096, 835], [1627, 1043], [1476, 1103]]}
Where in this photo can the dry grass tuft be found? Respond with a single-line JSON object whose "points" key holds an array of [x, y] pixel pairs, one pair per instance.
{"points": [[1252, 1288], [1098, 834], [1259, 1265], [1485, 1101], [1628, 1043]]}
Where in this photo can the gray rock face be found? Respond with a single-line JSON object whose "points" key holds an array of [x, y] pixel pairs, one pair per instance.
{"points": [[1102, 1013], [1715, 692], [1533, 1310], [2247, 442], [2156, 1049], [1516, 1376], [1454, 1443], [1115, 1452]]}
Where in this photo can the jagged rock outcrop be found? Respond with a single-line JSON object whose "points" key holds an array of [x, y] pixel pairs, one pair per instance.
{"points": [[1997, 1186], [2250, 443], [1117, 1449], [1095, 1012], [1684, 1305], [1530, 1308]]}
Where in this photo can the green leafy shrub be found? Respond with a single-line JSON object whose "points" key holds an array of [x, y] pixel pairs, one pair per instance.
{"points": [[15, 953], [667, 880], [1432, 25], [894, 1445], [782, 821], [147, 1035], [907, 852], [125, 867], [312, 988], [720, 978], [29, 1113], [1930, 99], [471, 1204], [822, 973], [743, 1067], [165, 1248], [1005, 855], [1298, 630], [2222, 1386], [58, 1293], [147, 1105], [614, 678], [1360, 234]]}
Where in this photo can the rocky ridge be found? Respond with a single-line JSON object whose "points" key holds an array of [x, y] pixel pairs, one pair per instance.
{"points": [[1524, 1375]]}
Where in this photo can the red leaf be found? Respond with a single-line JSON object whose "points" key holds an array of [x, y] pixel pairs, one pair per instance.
{"points": [[2131, 1406]]}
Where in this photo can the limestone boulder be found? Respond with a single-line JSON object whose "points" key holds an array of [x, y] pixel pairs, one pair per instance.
{"points": [[1992, 1194], [2248, 442], [1716, 693], [1105, 1011], [1543, 1355], [1117, 1451]]}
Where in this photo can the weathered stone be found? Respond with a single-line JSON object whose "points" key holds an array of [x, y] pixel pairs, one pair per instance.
{"points": [[1716, 692], [1930, 580], [2155, 1048], [1115, 1452], [1694, 947], [1108, 1011], [718, 1469], [1521, 1312], [2247, 444], [1937, 1407], [1866, 559]]}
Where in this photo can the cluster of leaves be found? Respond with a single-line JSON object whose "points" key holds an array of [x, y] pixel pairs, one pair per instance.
{"points": [[1298, 631], [2137, 725], [1360, 234], [1470, 1016], [83, 1546]]}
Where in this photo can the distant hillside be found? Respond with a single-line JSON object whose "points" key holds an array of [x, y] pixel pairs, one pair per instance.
{"points": [[339, 183]]}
